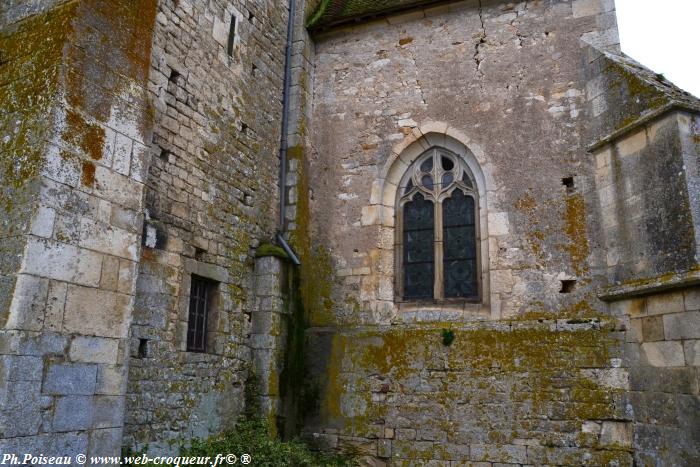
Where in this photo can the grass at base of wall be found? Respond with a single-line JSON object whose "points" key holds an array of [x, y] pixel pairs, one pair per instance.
{"points": [[251, 436]]}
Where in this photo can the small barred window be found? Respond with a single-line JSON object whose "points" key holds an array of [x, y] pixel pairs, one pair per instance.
{"points": [[201, 295]]}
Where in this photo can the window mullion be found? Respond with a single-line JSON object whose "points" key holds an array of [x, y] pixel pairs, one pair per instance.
{"points": [[439, 288]]}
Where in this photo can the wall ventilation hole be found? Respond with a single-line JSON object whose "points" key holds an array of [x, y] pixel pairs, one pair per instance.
{"points": [[198, 254], [567, 286], [143, 348], [244, 127], [174, 75], [164, 155], [568, 182]]}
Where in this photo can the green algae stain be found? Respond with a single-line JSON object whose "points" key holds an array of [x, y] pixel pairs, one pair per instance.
{"points": [[575, 229], [32, 52], [268, 249], [535, 369], [316, 271]]}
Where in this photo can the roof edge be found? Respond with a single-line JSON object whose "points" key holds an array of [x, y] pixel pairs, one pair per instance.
{"points": [[329, 13]]}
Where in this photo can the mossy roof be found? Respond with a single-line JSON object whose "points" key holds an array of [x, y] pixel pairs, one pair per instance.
{"points": [[642, 95], [655, 81], [334, 12]]}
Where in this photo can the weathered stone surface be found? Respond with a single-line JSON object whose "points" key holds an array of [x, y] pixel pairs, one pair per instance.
{"points": [[96, 312], [182, 148], [20, 413], [111, 380], [63, 262], [73, 413], [108, 412], [70, 378], [93, 350], [27, 307], [21, 367], [653, 328], [682, 325], [664, 353], [214, 114], [105, 442], [56, 444]]}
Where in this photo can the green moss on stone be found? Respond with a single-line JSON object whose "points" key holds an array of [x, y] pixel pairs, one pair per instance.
{"points": [[32, 52], [316, 271], [268, 249], [535, 361]]}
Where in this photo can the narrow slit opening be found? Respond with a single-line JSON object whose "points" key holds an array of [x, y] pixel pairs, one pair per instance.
{"points": [[231, 36], [143, 348]]}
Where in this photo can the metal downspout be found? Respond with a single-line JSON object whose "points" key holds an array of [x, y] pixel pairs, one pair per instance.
{"points": [[284, 141]]}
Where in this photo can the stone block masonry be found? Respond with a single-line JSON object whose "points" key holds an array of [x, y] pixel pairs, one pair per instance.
{"points": [[74, 197], [661, 343], [211, 197], [515, 89], [542, 392], [139, 146]]}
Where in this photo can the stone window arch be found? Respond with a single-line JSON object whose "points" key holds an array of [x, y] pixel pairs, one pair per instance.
{"points": [[437, 230]]}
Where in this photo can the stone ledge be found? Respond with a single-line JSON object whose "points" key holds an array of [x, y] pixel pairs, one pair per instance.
{"points": [[640, 122], [650, 286]]}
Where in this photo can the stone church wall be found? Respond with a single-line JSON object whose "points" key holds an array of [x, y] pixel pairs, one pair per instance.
{"points": [[662, 350], [504, 78], [501, 83], [211, 198], [646, 178], [139, 149], [76, 121]]}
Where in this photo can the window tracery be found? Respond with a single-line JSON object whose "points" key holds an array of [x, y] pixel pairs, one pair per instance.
{"points": [[438, 231]]}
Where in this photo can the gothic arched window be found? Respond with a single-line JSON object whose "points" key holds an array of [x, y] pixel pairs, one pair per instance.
{"points": [[438, 231]]}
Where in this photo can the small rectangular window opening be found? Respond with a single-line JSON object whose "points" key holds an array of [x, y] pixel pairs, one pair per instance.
{"points": [[164, 155], [567, 286], [198, 253], [231, 36], [174, 75], [201, 295], [568, 182], [143, 348]]}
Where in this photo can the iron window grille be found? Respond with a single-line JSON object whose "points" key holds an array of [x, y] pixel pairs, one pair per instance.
{"points": [[201, 296]]}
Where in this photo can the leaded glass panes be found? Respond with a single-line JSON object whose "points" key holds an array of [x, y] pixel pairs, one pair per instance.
{"points": [[438, 196], [459, 246], [447, 178], [419, 247], [447, 163], [466, 180]]}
